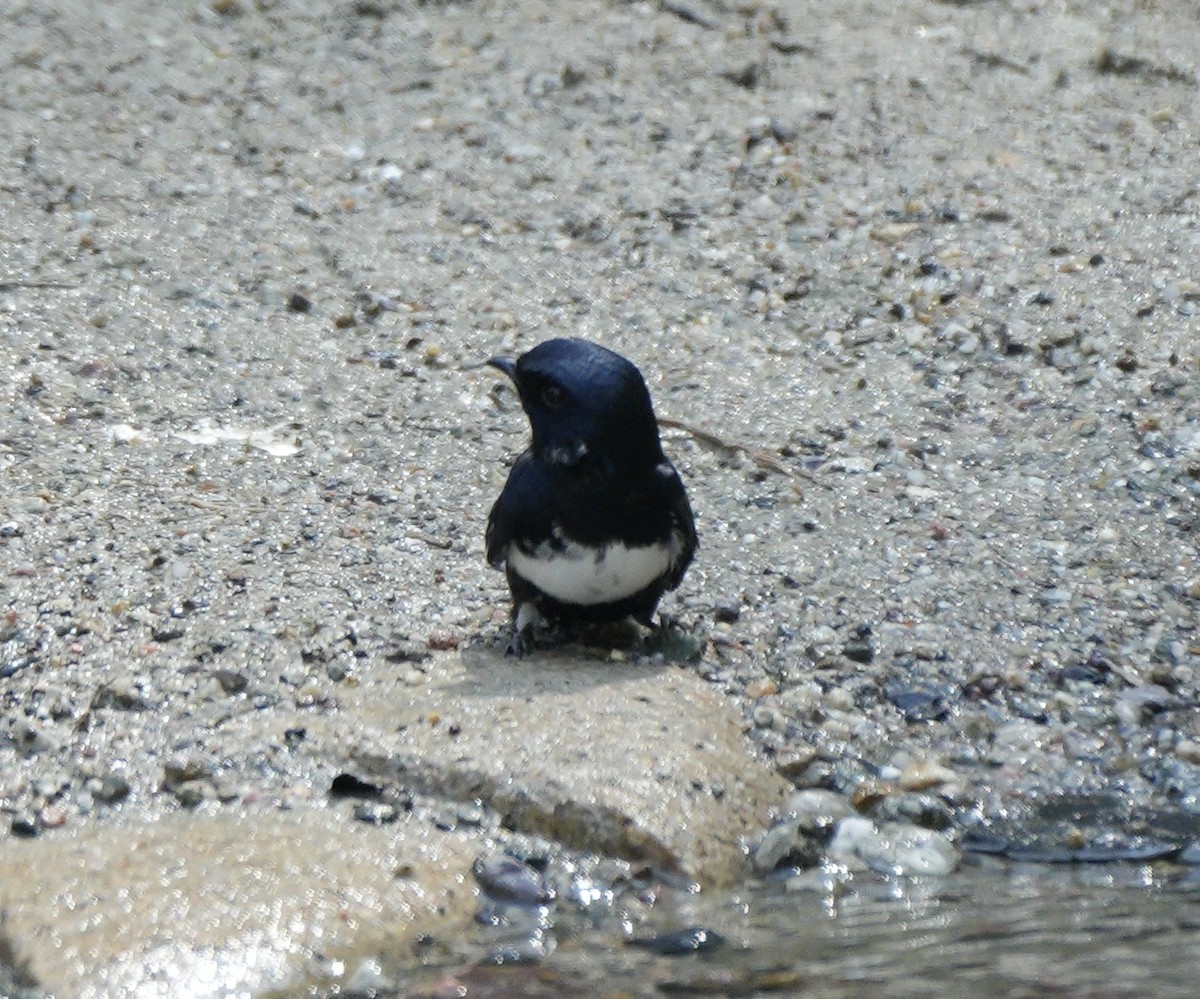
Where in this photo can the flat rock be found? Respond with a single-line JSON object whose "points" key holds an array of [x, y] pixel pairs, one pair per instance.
{"points": [[643, 762], [220, 905]]}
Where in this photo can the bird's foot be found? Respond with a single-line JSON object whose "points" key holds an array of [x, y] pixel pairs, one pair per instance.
{"points": [[672, 641], [520, 643]]}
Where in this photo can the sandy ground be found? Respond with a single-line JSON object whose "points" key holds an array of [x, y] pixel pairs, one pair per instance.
{"points": [[926, 270]]}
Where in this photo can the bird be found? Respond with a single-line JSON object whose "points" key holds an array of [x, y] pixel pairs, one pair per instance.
{"points": [[593, 524]]}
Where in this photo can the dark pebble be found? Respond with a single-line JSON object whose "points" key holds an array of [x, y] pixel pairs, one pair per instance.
{"points": [[298, 302], [748, 76], [119, 699], [231, 681], [917, 703], [925, 810], [985, 843], [859, 647], [14, 667], [25, 826], [184, 769], [506, 879], [346, 785], [192, 793], [692, 940], [1136, 851], [727, 609], [1132, 851], [1081, 673]]}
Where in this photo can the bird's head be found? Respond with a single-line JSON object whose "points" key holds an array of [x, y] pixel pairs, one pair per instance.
{"points": [[583, 399]]}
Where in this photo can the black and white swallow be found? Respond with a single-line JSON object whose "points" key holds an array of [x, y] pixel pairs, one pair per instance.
{"points": [[593, 524]]}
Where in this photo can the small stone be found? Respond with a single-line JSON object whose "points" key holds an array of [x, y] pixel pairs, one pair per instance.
{"points": [[727, 610], [794, 761], [299, 302], [120, 695], [1188, 750], [376, 813], [52, 816], [444, 641], [925, 810], [922, 774], [763, 687], [869, 791], [692, 940], [895, 848], [231, 681], [112, 789], [183, 769], [192, 793], [818, 811], [24, 826], [786, 845], [859, 647], [506, 879]]}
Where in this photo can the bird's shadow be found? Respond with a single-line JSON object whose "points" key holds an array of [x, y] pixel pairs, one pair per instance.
{"points": [[596, 658]]}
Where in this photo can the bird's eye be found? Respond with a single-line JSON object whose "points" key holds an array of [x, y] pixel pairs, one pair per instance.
{"points": [[554, 396]]}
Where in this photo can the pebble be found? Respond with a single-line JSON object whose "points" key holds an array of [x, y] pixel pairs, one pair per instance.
{"points": [[727, 609], [925, 810], [922, 774], [762, 687], [1188, 750], [506, 879], [894, 848], [111, 789], [376, 813], [817, 810], [786, 844], [691, 940]]}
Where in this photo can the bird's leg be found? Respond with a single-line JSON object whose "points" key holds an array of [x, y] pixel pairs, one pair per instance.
{"points": [[525, 618], [665, 622], [647, 620]]}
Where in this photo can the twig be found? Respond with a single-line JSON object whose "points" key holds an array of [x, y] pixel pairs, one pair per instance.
{"points": [[761, 457], [686, 12], [6, 285]]}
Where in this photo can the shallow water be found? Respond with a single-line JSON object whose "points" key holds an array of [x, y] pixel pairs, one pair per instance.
{"points": [[992, 929]]}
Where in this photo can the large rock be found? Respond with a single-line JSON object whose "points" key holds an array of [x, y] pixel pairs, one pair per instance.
{"points": [[231, 904], [638, 761], [644, 762]]}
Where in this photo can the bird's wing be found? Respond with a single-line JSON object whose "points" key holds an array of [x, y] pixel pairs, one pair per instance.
{"points": [[683, 525], [514, 512]]}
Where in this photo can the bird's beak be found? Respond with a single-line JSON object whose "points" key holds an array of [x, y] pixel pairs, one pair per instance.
{"points": [[505, 364]]}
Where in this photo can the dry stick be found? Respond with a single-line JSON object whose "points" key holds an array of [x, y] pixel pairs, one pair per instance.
{"points": [[760, 457], [13, 285]]}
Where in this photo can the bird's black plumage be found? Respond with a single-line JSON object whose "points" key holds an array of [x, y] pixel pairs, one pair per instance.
{"points": [[593, 524]]}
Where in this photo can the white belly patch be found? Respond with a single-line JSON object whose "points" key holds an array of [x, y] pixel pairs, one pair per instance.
{"points": [[579, 575]]}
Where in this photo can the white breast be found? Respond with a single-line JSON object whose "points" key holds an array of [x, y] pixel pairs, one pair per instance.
{"points": [[579, 575]]}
